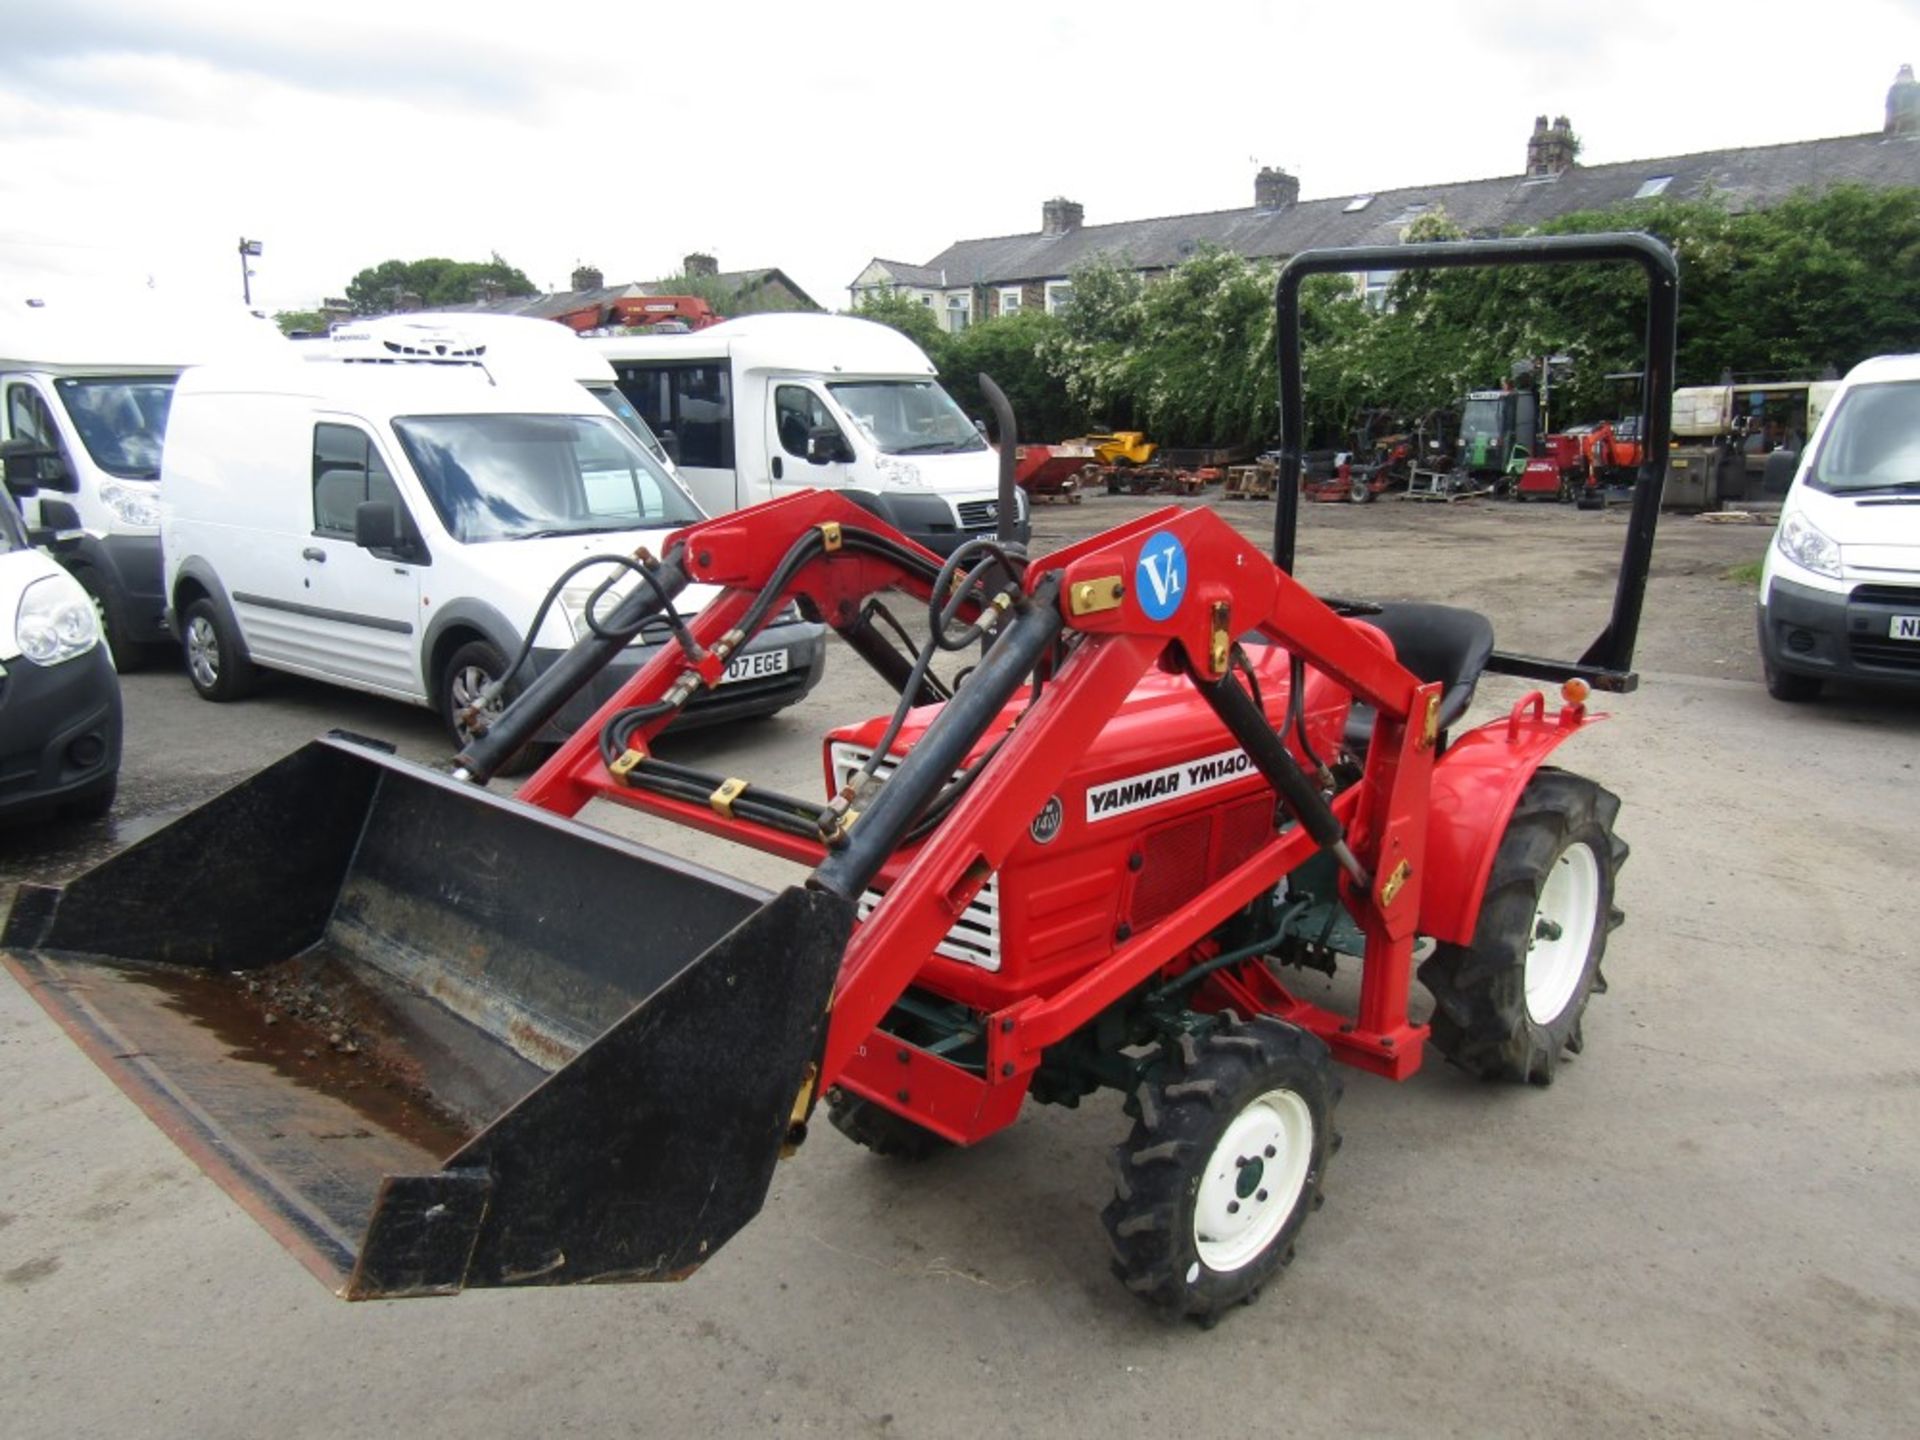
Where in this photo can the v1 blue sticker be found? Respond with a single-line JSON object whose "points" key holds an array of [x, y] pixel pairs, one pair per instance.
{"points": [[1160, 577]]}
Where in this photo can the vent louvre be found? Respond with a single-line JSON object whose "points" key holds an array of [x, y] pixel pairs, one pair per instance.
{"points": [[975, 936]]}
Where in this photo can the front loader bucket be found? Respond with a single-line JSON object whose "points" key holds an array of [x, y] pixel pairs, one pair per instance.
{"points": [[432, 1038]]}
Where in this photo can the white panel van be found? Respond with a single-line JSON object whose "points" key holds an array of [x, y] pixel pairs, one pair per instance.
{"points": [[502, 344], [395, 528], [1840, 587], [87, 385], [768, 404], [59, 697]]}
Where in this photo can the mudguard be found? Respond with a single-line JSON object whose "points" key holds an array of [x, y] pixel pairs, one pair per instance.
{"points": [[1476, 784]]}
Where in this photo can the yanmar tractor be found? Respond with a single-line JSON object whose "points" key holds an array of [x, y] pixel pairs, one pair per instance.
{"points": [[436, 1038]]}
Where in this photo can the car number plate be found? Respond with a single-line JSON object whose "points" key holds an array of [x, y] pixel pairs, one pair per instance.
{"points": [[756, 666], [1905, 627]]}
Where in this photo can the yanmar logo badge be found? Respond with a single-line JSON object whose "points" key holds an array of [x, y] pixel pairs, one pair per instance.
{"points": [[1136, 792]]}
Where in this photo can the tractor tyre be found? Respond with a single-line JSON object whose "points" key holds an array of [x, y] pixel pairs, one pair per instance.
{"points": [[1359, 492], [880, 1130], [1222, 1168], [1508, 1005]]}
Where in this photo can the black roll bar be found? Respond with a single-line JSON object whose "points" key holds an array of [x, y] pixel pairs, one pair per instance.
{"points": [[1608, 661]]}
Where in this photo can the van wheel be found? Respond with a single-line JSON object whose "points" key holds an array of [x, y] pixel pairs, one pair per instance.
{"points": [[467, 674], [216, 662]]}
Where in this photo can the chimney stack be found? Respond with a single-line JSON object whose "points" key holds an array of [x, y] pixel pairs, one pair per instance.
{"points": [[1550, 149], [588, 277], [1274, 189], [1903, 104], [699, 266], [1059, 216]]}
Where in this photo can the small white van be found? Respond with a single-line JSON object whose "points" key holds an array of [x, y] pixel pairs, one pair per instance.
{"points": [[1840, 587], [88, 386], [502, 344], [768, 404], [395, 528], [59, 697]]}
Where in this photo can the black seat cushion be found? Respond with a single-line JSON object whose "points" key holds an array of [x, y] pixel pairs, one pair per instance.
{"points": [[1435, 642]]}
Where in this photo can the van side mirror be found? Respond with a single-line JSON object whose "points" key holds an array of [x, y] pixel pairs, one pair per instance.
{"points": [[59, 527], [825, 446], [30, 467], [1781, 465], [376, 525]]}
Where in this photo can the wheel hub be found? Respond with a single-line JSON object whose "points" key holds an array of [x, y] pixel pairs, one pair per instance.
{"points": [[203, 651], [1564, 920], [1253, 1181]]}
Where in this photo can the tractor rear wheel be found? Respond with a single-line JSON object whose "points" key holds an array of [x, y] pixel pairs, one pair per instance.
{"points": [[1509, 1004], [880, 1130], [1223, 1166]]}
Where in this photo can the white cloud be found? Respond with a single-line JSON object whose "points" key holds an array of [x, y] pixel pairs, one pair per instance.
{"points": [[145, 138]]}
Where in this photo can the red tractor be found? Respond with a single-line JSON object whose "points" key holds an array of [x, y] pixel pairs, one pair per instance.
{"points": [[1172, 777]]}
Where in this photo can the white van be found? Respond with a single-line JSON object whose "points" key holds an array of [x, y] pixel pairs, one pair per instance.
{"points": [[59, 697], [88, 386], [1840, 587], [395, 528], [768, 404], [503, 344]]}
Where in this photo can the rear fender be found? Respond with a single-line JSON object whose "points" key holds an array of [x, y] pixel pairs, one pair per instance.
{"points": [[1476, 785]]}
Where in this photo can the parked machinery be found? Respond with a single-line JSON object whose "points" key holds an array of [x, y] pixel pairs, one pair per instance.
{"points": [[1174, 776]]}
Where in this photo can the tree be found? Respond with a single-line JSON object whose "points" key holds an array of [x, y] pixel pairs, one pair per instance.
{"points": [[386, 287], [907, 315], [729, 300], [308, 322], [1014, 350]]}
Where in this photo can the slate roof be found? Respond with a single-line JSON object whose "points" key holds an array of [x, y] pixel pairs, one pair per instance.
{"points": [[566, 302], [928, 276], [1747, 178]]}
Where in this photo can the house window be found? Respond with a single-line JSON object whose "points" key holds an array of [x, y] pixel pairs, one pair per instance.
{"points": [[958, 312], [927, 300], [1652, 186], [1379, 286], [1010, 300], [1059, 295]]}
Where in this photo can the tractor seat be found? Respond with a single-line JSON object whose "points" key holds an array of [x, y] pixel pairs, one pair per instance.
{"points": [[1435, 642]]}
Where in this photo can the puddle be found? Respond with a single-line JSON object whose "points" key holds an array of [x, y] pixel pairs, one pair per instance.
{"points": [[312, 1021]]}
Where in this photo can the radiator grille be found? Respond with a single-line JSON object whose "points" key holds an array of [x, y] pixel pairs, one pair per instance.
{"points": [[1886, 595], [975, 936]]}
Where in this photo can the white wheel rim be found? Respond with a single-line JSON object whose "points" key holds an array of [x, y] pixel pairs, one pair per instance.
{"points": [[1253, 1181], [1564, 919]]}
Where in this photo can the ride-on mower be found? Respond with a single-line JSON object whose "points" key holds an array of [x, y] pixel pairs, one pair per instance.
{"points": [[535, 1053]]}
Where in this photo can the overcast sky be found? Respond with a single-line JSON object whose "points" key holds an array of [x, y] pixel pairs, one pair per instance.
{"points": [[143, 138]]}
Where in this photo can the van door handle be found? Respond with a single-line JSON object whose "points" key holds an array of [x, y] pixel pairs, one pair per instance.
{"points": [[314, 552], [777, 468]]}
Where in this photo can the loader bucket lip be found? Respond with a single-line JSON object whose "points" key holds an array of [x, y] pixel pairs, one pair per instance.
{"points": [[306, 1237]]}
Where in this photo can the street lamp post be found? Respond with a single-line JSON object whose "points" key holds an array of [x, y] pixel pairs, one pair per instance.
{"points": [[249, 249]]}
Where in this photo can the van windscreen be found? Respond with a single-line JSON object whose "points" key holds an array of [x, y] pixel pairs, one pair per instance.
{"points": [[1872, 442], [518, 477], [908, 417], [122, 420]]}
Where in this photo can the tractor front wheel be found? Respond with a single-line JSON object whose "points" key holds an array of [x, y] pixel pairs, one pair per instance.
{"points": [[1222, 1168], [1508, 1005]]}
